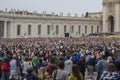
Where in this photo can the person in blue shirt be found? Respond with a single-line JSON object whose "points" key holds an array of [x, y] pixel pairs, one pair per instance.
{"points": [[78, 55]]}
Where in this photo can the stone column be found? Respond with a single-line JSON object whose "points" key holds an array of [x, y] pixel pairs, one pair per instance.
{"points": [[11, 29], [105, 29], [5, 29], [1, 29], [117, 20]]}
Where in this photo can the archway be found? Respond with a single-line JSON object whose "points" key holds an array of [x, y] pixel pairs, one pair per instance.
{"points": [[111, 24]]}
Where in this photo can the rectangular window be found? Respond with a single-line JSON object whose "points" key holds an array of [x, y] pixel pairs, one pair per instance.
{"points": [[79, 29], [57, 29], [48, 29], [29, 29], [18, 29], [65, 28], [86, 29], [91, 29], [72, 29], [110, 8], [39, 29], [97, 29]]}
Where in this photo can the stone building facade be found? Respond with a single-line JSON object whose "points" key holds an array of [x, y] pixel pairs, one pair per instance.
{"points": [[111, 15], [17, 25], [24, 24]]}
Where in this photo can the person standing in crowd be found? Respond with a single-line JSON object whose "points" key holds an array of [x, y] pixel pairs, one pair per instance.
{"points": [[56, 58], [117, 61], [5, 69], [14, 68], [73, 57], [43, 74], [76, 74], [68, 65], [60, 74], [110, 60], [101, 66], [78, 55], [39, 64], [30, 75], [51, 66], [90, 64], [110, 73], [0, 67], [35, 61], [24, 65], [44, 62], [87, 59], [81, 65]]}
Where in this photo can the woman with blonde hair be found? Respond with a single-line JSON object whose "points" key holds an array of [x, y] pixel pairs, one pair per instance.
{"points": [[76, 74], [110, 59], [25, 64], [43, 74]]}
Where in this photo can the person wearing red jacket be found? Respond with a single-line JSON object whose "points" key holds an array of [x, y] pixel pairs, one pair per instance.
{"points": [[5, 68]]}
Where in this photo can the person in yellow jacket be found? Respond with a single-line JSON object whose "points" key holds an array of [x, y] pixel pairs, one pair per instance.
{"points": [[76, 74]]}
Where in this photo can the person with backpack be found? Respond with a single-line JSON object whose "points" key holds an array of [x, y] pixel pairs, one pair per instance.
{"points": [[24, 65], [101, 66], [5, 68], [60, 73]]}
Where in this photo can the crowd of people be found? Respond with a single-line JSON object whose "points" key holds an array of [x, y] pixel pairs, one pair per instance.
{"points": [[60, 58]]}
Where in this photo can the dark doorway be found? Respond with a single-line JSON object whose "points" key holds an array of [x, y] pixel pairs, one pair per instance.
{"points": [[66, 34], [111, 23]]}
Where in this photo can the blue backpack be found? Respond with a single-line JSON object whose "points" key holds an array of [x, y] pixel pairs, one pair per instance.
{"points": [[102, 65], [99, 66]]}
